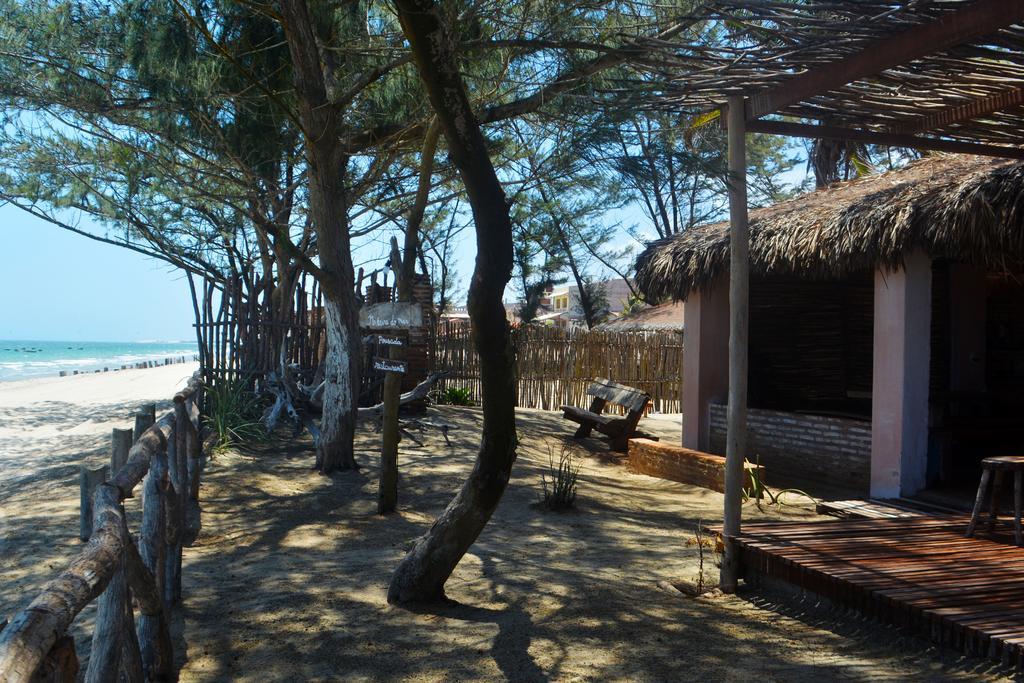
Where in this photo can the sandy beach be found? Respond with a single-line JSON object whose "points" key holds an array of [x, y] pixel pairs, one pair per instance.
{"points": [[48, 427]]}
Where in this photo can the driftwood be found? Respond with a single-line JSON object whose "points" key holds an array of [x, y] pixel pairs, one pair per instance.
{"points": [[418, 392], [300, 402]]}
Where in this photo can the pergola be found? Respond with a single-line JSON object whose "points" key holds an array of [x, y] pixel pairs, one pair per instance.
{"points": [[944, 75]]}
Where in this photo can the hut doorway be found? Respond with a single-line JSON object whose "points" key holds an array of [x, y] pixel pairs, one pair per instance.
{"points": [[977, 377]]}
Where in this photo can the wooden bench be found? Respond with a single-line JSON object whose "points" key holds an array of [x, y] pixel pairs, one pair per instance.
{"points": [[619, 429]]}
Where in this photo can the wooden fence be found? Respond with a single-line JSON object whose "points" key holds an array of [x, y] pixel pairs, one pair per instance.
{"points": [[111, 568], [244, 337], [555, 365]]}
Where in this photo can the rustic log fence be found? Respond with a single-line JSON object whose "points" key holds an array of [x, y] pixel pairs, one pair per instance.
{"points": [[112, 568], [555, 366], [244, 336]]}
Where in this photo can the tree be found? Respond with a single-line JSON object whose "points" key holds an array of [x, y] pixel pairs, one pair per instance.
{"points": [[421, 576]]}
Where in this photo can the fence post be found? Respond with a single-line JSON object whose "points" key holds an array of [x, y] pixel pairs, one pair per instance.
{"points": [[108, 635], [88, 480], [144, 419], [175, 497], [154, 638]]}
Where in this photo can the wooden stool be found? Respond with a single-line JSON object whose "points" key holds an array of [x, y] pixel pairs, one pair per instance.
{"points": [[992, 471]]}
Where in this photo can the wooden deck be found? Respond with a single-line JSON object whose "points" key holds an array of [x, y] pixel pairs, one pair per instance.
{"points": [[919, 572]]}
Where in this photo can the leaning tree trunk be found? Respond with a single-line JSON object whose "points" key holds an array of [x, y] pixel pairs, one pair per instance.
{"points": [[421, 575], [328, 206]]}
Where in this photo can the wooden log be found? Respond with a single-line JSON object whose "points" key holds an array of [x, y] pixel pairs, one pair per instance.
{"points": [[130, 670], [195, 452], [152, 547], [144, 419], [60, 665], [121, 441], [34, 631], [151, 442], [88, 481], [108, 634], [154, 638]]}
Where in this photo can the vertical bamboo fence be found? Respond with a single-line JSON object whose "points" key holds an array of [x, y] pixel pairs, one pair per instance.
{"points": [[555, 366], [243, 336], [127, 644]]}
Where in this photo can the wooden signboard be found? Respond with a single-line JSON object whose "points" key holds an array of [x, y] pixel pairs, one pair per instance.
{"points": [[388, 365], [391, 316]]}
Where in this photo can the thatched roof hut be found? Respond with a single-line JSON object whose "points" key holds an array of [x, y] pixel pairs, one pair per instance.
{"points": [[969, 209]]}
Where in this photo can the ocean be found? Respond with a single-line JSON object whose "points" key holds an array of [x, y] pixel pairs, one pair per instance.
{"points": [[25, 359]]}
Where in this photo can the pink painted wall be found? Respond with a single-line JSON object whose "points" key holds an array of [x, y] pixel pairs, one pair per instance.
{"points": [[705, 361], [899, 408]]}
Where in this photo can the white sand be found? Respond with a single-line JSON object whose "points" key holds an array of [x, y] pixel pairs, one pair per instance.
{"points": [[48, 427]]}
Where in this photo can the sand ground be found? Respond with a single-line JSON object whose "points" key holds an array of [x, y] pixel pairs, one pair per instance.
{"points": [[48, 427], [289, 576]]}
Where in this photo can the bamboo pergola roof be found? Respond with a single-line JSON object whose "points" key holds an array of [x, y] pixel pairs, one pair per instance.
{"points": [[930, 74]]}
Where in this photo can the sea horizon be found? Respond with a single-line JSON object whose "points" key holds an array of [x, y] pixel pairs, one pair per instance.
{"points": [[33, 358]]}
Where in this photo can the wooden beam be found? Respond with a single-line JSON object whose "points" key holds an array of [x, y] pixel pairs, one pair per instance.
{"points": [[962, 112], [806, 130], [952, 28], [739, 272]]}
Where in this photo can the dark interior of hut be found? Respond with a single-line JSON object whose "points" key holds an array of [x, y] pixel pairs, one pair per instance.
{"points": [[977, 377], [810, 345]]}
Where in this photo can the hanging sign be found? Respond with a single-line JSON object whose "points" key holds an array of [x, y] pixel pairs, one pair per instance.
{"points": [[388, 341], [391, 316], [388, 365]]}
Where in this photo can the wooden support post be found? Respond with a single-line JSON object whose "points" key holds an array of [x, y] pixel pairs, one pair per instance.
{"points": [[121, 441], [88, 480], [739, 248], [152, 532], [144, 419], [60, 664], [154, 638], [175, 503], [387, 489], [108, 635], [195, 450]]}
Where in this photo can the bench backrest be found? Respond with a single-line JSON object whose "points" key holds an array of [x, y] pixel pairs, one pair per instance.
{"points": [[619, 394]]}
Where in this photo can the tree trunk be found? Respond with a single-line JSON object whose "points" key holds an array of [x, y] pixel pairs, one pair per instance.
{"points": [[421, 575], [328, 206], [341, 388]]}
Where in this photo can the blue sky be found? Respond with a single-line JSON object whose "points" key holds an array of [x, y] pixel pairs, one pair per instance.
{"points": [[55, 285]]}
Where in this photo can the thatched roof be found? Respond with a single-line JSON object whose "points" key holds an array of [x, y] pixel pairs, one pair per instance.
{"points": [[653, 318], [965, 208]]}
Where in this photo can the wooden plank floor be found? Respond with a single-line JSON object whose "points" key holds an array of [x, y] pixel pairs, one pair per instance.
{"points": [[918, 572]]}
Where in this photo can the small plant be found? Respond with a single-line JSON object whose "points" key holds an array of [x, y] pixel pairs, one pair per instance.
{"points": [[455, 396], [704, 542], [233, 414], [558, 486], [758, 490]]}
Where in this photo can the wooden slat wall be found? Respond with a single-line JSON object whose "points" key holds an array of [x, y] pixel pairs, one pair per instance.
{"points": [[555, 365]]}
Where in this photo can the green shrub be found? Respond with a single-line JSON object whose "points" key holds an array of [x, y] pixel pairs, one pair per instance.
{"points": [[455, 396], [558, 486], [233, 414]]}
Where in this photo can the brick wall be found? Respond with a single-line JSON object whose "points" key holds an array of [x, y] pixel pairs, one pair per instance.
{"points": [[804, 449], [675, 463]]}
